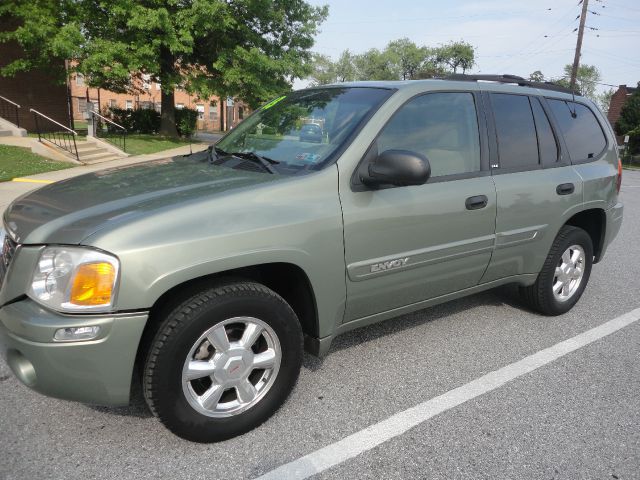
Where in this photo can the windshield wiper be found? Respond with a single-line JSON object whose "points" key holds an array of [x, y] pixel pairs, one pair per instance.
{"points": [[219, 151], [266, 162]]}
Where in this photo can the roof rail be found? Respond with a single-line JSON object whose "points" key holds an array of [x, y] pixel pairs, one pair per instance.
{"points": [[512, 79]]}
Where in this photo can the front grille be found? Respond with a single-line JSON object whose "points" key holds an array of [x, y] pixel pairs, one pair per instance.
{"points": [[8, 251]]}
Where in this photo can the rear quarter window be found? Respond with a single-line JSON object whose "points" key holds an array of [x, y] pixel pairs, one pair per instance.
{"points": [[583, 133]]}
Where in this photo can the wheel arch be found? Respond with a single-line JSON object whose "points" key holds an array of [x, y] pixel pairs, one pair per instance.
{"points": [[288, 280], [594, 222]]}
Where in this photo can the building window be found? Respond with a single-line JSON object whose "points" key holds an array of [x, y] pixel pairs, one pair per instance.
{"points": [[179, 106], [157, 86], [129, 105], [113, 103], [240, 113], [82, 105], [79, 80], [213, 113], [200, 110], [146, 105]]}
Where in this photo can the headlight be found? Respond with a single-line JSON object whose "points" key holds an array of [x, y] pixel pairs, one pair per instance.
{"points": [[75, 279]]}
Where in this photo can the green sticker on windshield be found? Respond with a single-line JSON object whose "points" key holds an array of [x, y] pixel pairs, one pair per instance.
{"points": [[273, 102]]}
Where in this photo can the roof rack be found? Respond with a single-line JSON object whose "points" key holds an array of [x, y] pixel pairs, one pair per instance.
{"points": [[512, 79]]}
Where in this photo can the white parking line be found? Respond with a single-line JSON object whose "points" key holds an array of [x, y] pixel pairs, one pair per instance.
{"points": [[396, 425]]}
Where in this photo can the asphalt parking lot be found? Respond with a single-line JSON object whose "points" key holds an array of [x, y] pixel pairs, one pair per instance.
{"points": [[577, 416]]}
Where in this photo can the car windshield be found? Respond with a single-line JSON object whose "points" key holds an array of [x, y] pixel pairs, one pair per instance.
{"points": [[302, 130]]}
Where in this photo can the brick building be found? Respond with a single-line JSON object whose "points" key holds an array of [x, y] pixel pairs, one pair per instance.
{"points": [[210, 112], [618, 100], [33, 89]]}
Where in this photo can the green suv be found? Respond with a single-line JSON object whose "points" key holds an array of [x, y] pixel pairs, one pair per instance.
{"points": [[205, 277]]}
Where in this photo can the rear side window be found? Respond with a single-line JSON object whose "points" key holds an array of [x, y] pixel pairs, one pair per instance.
{"points": [[547, 144], [583, 134], [516, 131], [441, 126]]}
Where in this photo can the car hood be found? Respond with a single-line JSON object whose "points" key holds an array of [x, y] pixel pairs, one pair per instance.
{"points": [[67, 212]]}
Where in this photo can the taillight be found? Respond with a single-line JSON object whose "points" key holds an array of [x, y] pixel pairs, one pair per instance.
{"points": [[619, 179]]}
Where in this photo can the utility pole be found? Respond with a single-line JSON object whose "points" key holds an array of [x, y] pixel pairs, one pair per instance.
{"points": [[576, 59]]}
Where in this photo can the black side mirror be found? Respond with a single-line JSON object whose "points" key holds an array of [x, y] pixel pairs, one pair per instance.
{"points": [[398, 167]]}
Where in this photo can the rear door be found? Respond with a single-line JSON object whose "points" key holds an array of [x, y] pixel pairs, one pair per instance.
{"points": [[535, 183]]}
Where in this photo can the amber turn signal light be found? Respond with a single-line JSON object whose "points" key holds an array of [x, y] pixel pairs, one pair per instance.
{"points": [[93, 284]]}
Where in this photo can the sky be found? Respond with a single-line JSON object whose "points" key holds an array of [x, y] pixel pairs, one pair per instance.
{"points": [[515, 37]]}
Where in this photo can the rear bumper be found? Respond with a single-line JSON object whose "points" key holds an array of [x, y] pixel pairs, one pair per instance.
{"points": [[614, 222], [97, 371]]}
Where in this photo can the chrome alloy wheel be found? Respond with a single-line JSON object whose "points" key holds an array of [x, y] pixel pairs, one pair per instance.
{"points": [[231, 367], [569, 273]]}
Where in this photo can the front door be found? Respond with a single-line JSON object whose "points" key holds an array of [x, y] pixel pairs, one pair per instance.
{"points": [[404, 245]]}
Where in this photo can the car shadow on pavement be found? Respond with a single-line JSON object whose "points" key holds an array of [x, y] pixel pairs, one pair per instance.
{"points": [[506, 295]]}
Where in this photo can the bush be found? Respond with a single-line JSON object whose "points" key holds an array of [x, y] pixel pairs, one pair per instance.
{"points": [[137, 121], [148, 121], [186, 119]]}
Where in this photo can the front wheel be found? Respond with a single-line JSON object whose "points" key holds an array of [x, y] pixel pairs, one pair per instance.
{"points": [[564, 275], [223, 362]]}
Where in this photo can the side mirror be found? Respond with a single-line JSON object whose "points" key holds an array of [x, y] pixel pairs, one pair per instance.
{"points": [[398, 167]]}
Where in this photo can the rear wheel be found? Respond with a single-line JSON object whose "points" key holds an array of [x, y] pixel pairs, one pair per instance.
{"points": [[223, 362], [564, 275]]}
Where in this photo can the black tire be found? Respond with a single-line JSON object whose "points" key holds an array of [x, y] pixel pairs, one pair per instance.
{"points": [[539, 296], [162, 376]]}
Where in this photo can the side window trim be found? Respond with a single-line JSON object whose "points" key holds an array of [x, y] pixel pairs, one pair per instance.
{"points": [[496, 168], [564, 159], [606, 137], [559, 152], [357, 185]]}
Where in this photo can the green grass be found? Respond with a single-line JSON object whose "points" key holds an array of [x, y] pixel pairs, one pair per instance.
{"points": [[19, 162], [140, 144]]}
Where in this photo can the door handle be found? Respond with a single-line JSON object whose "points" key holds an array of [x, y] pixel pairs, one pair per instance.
{"points": [[565, 188], [476, 202]]}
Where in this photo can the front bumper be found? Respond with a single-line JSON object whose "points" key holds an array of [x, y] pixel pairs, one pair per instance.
{"points": [[96, 371]]}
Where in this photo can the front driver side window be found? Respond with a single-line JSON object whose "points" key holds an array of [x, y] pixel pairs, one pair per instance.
{"points": [[441, 126]]}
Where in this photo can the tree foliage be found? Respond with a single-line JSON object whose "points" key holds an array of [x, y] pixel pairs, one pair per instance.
{"points": [[629, 121], [246, 48], [401, 59], [586, 81]]}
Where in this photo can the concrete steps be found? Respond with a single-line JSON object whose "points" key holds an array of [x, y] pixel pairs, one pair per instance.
{"points": [[6, 133], [91, 153]]}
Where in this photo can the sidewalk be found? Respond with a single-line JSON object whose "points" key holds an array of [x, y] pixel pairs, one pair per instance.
{"points": [[19, 186]]}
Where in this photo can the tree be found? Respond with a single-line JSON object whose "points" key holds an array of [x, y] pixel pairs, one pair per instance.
{"points": [[345, 67], [604, 99], [629, 121], [536, 76], [586, 80], [406, 56], [243, 48], [456, 55], [324, 70], [374, 65], [401, 59]]}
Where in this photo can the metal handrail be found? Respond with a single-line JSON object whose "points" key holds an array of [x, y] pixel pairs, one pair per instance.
{"points": [[13, 105], [60, 138], [52, 120], [107, 120], [10, 101], [120, 142]]}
